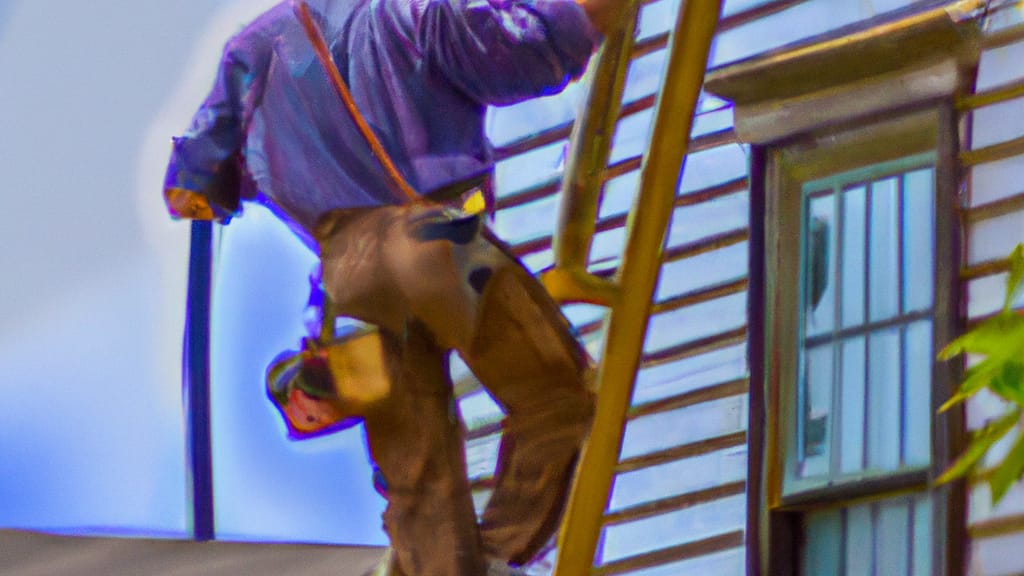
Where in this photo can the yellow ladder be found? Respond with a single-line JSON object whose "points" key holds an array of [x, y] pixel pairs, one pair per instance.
{"points": [[569, 280]]}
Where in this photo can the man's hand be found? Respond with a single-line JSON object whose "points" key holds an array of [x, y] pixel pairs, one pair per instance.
{"points": [[183, 203]]}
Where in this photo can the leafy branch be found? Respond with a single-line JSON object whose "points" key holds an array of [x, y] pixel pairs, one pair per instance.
{"points": [[999, 341]]}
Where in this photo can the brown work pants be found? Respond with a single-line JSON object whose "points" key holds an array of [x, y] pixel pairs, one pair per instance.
{"points": [[433, 282]]}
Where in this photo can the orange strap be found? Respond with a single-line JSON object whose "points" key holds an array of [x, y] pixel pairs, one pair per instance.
{"points": [[316, 38]]}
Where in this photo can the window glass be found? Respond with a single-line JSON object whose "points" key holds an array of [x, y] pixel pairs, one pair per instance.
{"points": [[854, 256], [892, 541], [815, 422], [863, 401], [883, 421], [917, 406], [882, 250], [820, 315], [853, 392], [506, 124], [891, 537], [820, 558], [918, 240]]}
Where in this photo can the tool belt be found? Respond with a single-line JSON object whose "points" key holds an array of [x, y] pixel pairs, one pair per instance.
{"points": [[331, 381]]}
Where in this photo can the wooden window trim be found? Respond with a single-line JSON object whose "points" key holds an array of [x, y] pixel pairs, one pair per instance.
{"points": [[773, 523]]}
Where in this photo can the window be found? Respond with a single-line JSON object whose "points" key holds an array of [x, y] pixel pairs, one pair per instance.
{"points": [[852, 259], [864, 396], [890, 536]]}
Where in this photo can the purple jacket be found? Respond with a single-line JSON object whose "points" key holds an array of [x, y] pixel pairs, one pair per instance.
{"points": [[420, 71]]}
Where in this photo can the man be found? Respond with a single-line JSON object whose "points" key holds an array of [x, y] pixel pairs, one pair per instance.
{"points": [[421, 73]]}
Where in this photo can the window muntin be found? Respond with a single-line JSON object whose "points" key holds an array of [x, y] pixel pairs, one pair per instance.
{"points": [[862, 401], [887, 537]]}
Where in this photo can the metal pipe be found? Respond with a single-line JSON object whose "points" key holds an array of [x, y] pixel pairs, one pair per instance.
{"points": [[196, 384]]}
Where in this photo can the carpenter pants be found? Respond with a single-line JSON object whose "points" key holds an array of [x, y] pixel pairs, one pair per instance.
{"points": [[436, 280]]}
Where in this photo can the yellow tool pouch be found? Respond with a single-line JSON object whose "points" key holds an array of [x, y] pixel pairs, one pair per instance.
{"points": [[328, 386]]}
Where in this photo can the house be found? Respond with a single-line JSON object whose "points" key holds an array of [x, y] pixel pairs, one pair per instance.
{"points": [[851, 189], [873, 147]]}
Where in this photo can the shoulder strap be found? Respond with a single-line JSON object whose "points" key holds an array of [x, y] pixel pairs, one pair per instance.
{"points": [[398, 184]]}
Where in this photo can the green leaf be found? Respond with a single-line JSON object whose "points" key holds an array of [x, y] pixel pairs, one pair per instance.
{"points": [[1016, 278], [977, 377], [1008, 471], [1009, 382], [982, 440], [1001, 336]]}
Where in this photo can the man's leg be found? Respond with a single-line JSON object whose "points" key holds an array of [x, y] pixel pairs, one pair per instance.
{"points": [[526, 357], [416, 439], [474, 296]]}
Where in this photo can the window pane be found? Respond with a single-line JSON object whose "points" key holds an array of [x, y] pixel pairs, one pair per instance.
{"points": [[891, 537], [860, 541], [921, 554], [917, 394], [854, 261], [819, 284], [892, 542], [823, 547], [918, 239], [815, 423], [852, 400], [883, 422], [882, 272]]}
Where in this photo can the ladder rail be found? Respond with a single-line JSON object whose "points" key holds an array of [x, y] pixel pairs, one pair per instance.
{"points": [[590, 148], [626, 326]]}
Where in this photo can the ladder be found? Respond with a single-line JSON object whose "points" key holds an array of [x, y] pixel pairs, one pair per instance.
{"points": [[647, 223]]}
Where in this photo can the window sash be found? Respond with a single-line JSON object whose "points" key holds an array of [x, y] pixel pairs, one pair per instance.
{"points": [[901, 318]]}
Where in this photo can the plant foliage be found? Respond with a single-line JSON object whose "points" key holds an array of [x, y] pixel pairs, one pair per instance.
{"points": [[999, 343]]}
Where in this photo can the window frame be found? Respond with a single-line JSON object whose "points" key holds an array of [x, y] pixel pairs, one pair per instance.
{"points": [[836, 185], [779, 172]]}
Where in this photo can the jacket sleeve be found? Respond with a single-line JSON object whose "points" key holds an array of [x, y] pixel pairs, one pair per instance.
{"points": [[204, 174], [503, 51]]}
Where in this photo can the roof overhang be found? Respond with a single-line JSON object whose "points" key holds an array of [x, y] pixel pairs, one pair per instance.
{"points": [[852, 74]]}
